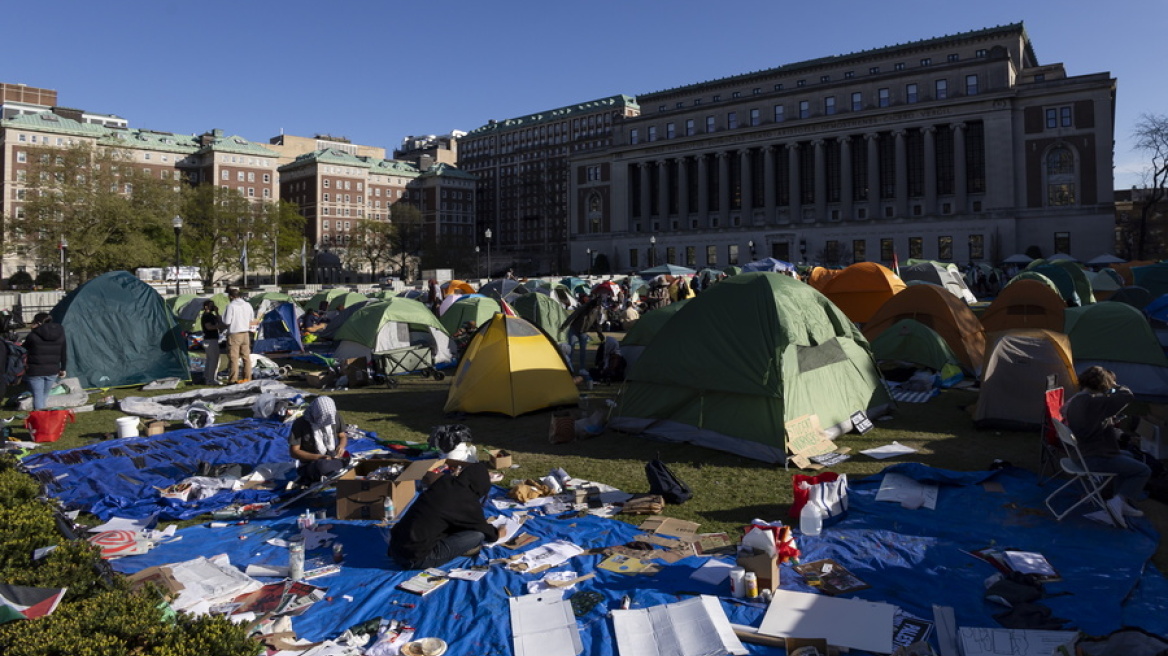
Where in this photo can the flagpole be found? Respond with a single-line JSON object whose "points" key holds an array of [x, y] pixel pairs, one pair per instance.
{"points": [[304, 260]]}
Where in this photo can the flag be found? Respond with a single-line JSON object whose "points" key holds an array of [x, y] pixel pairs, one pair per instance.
{"points": [[18, 602], [243, 257], [507, 309], [895, 264]]}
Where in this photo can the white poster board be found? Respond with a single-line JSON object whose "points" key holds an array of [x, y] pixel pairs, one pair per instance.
{"points": [[851, 623]]}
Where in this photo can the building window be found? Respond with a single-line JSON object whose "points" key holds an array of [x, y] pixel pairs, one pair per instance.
{"points": [[824, 78], [327, 183], [899, 66], [634, 260], [679, 105], [652, 133], [634, 136], [1065, 117], [858, 250], [886, 250], [857, 101], [1060, 176], [801, 83], [873, 70], [670, 130], [916, 248], [849, 75], [691, 256], [927, 61], [804, 108], [697, 101], [267, 178], [736, 94], [709, 124], [689, 127], [732, 254], [977, 247], [884, 98], [326, 198], [779, 87], [716, 98], [941, 89], [755, 118], [660, 108], [831, 252], [1062, 242], [1040, 77], [829, 105], [1051, 117], [971, 85], [755, 91], [778, 113], [981, 53], [731, 120], [711, 256], [953, 58], [911, 93], [944, 248]]}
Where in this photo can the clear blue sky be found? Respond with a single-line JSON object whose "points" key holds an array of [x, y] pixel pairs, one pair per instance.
{"points": [[378, 70]]}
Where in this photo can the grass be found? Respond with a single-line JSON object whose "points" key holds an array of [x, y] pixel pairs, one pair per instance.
{"points": [[730, 491]]}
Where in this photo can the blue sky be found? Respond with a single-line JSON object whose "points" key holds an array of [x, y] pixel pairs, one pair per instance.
{"points": [[376, 71]]}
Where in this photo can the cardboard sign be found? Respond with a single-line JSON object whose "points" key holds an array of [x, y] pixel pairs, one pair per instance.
{"points": [[805, 439], [861, 422]]}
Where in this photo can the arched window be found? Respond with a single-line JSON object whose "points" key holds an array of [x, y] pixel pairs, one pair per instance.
{"points": [[594, 213], [1061, 172]]}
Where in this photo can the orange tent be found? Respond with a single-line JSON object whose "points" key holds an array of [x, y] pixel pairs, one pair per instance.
{"points": [[940, 310], [861, 289], [1025, 304], [457, 287], [821, 275]]}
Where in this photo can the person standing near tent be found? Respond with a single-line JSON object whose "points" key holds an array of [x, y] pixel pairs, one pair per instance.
{"points": [[445, 521], [211, 323], [318, 441], [435, 296], [583, 320], [47, 355], [1091, 416], [239, 318]]}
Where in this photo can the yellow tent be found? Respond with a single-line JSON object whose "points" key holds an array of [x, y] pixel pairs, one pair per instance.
{"points": [[510, 368]]}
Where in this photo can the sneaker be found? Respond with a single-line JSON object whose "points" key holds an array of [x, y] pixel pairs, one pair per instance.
{"points": [[1130, 510], [1117, 506]]}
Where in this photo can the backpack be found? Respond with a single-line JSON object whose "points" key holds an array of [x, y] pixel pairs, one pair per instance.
{"points": [[17, 363], [664, 482]]}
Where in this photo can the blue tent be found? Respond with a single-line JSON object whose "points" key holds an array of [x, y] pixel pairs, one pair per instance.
{"points": [[120, 332], [279, 330], [768, 264]]}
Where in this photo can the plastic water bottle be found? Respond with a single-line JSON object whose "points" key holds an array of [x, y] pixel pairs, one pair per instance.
{"points": [[390, 511], [810, 519]]}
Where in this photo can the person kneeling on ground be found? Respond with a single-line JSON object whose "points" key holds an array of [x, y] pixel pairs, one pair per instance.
{"points": [[445, 521], [1091, 416], [318, 441]]}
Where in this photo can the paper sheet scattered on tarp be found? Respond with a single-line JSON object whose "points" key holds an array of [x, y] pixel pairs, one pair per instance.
{"points": [[1011, 642], [909, 493], [543, 625], [694, 627]]}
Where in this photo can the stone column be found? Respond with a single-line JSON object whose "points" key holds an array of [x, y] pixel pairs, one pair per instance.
{"points": [[873, 140], [929, 133], [796, 206], [746, 173], [723, 187], [663, 191], [646, 196], [683, 190], [901, 201], [820, 181], [703, 191], [769, 188], [846, 178], [960, 190]]}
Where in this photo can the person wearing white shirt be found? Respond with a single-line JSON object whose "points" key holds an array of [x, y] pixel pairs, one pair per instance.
{"points": [[239, 318]]}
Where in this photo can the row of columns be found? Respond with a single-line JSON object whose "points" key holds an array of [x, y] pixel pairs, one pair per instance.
{"points": [[819, 182]]}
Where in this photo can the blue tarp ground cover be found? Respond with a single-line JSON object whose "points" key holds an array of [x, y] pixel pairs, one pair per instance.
{"points": [[911, 558], [103, 479]]}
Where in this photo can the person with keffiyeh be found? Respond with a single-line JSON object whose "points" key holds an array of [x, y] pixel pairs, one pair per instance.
{"points": [[318, 441]]}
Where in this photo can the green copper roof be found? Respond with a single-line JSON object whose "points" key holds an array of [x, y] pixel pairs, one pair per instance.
{"points": [[860, 56], [150, 140], [555, 115], [48, 122], [236, 144], [342, 158], [448, 171]]}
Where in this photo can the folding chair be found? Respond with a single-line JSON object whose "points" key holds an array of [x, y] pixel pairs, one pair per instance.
{"points": [[1091, 483], [1052, 448]]}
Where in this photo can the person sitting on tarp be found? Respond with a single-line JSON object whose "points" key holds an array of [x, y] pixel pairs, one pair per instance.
{"points": [[318, 441], [1091, 416], [445, 521]]}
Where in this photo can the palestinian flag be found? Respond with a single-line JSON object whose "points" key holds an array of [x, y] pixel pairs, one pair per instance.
{"points": [[18, 602], [507, 309]]}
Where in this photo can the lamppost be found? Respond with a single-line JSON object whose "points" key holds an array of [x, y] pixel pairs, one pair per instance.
{"points": [[487, 234], [653, 251], [589, 251], [750, 245], [64, 246], [177, 222], [476, 260]]}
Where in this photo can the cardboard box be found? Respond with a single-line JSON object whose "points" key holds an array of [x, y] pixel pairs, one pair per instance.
{"points": [[357, 371], [765, 567], [156, 428], [358, 498], [320, 379], [500, 459]]}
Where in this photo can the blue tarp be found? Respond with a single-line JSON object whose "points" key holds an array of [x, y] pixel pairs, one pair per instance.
{"points": [[104, 479], [911, 558]]}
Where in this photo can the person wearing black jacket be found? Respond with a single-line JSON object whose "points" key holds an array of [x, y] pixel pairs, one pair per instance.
{"points": [[445, 521], [46, 357]]}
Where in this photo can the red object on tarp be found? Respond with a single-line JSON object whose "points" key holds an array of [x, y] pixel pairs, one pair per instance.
{"points": [[48, 425], [801, 493]]}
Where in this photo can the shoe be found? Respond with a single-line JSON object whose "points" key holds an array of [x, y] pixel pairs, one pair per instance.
{"points": [[1130, 510], [1117, 506], [473, 552]]}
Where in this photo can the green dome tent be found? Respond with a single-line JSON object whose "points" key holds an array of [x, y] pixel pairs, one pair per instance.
{"points": [[478, 309], [324, 296], [909, 340], [274, 297], [545, 313], [120, 332], [646, 328], [391, 324], [1118, 337], [741, 360]]}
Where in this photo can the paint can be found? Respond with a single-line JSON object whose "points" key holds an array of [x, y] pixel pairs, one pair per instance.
{"points": [[738, 582], [128, 426]]}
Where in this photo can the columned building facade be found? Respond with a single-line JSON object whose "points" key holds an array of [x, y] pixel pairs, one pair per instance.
{"points": [[960, 148]]}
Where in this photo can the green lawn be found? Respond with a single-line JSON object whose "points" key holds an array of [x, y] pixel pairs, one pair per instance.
{"points": [[729, 490]]}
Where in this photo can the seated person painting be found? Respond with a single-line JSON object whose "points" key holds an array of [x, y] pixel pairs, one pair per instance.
{"points": [[1091, 415], [318, 441], [445, 521]]}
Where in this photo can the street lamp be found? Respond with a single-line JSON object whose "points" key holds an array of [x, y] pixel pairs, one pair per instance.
{"points": [[750, 245], [476, 260], [64, 245], [589, 251], [487, 234], [653, 251], [177, 223]]}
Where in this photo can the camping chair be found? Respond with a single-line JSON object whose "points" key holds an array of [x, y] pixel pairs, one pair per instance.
{"points": [[1090, 482], [1052, 447]]}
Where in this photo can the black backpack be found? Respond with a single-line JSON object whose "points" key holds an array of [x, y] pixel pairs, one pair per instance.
{"points": [[664, 482], [17, 363]]}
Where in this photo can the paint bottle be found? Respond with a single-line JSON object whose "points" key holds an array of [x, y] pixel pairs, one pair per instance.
{"points": [[751, 584], [738, 582], [296, 558]]}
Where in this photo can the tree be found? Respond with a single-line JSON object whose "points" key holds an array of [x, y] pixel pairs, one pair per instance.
{"points": [[277, 236], [408, 236], [373, 243], [215, 221], [114, 214], [1151, 138], [20, 280], [48, 279]]}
